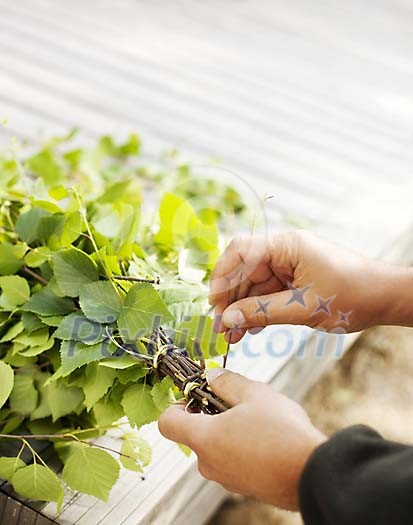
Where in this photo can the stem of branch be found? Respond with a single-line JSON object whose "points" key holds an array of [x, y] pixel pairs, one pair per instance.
{"points": [[35, 275]]}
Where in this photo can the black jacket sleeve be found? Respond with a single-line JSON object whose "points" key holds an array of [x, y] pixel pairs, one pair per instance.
{"points": [[358, 478]]}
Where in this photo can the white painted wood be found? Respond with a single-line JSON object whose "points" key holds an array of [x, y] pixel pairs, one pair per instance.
{"points": [[311, 102]]}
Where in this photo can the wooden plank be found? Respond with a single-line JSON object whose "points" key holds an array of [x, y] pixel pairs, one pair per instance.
{"points": [[3, 501], [11, 511], [247, 110], [27, 516]]}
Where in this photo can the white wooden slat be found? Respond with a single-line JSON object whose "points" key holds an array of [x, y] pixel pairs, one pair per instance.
{"points": [[133, 51], [188, 94]]}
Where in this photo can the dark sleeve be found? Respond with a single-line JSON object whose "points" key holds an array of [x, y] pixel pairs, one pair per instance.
{"points": [[358, 478]]}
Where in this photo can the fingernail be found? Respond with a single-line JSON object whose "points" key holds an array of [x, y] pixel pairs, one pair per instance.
{"points": [[255, 330], [233, 318], [213, 373]]}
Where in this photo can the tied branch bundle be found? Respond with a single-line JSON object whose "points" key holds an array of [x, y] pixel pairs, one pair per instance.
{"points": [[165, 359]]}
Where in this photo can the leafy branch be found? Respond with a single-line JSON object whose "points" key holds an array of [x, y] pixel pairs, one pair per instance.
{"points": [[99, 321]]}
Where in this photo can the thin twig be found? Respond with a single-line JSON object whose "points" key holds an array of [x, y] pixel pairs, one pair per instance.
{"points": [[49, 437], [35, 275], [136, 279]]}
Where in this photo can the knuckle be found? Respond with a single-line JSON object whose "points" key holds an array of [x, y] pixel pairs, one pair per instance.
{"points": [[256, 315]]}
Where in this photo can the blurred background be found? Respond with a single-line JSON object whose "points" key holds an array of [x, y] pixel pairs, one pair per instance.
{"points": [[311, 102]]}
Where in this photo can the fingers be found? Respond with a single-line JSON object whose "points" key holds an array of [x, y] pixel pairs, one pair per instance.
{"points": [[240, 259], [181, 426], [276, 308], [231, 387]]}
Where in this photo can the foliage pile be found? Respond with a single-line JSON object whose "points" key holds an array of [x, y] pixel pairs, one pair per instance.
{"points": [[94, 304]]}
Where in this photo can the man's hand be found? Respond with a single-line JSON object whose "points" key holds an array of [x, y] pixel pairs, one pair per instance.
{"points": [[296, 278], [257, 448]]}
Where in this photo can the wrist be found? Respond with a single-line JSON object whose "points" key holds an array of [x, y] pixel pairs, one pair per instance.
{"points": [[316, 439]]}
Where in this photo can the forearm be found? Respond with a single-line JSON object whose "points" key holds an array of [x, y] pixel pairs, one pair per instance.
{"points": [[395, 295], [358, 478]]}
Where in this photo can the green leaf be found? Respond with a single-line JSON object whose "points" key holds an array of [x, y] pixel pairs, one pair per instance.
{"points": [[43, 408], [38, 483], [18, 360], [107, 410], [162, 394], [31, 322], [175, 215], [184, 300], [131, 147], [44, 165], [52, 320], [143, 311], [24, 396], [74, 268], [114, 192], [27, 225], [58, 192], [139, 405], [120, 363], [72, 229], [37, 256], [6, 382], [12, 332], [100, 302], [198, 337], [75, 354], [91, 471], [8, 467], [62, 399], [77, 327], [96, 382], [37, 338], [132, 373], [37, 350], [47, 303], [12, 424], [137, 452], [10, 259], [15, 290]]}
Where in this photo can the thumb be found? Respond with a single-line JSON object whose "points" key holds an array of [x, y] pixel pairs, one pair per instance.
{"points": [[275, 308], [230, 387]]}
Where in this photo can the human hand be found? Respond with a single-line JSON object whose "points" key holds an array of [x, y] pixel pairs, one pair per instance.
{"points": [[257, 448], [297, 278]]}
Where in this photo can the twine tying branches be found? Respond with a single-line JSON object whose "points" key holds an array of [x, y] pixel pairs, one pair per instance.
{"points": [[166, 359]]}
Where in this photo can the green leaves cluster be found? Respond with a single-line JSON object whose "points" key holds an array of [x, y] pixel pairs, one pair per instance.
{"points": [[79, 271]]}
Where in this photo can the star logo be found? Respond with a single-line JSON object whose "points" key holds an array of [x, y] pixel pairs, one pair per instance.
{"points": [[324, 305], [236, 328], [297, 295], [262, 307], [343, 317]]}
